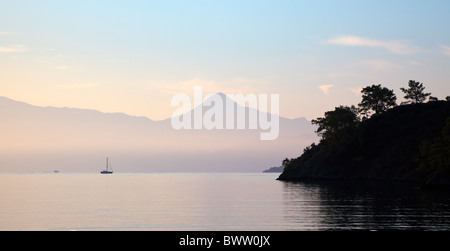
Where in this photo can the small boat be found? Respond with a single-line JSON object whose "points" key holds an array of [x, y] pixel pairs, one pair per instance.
{"points": [[107, 171]]}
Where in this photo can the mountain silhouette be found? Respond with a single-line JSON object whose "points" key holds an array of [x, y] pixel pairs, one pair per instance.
{"points": [[37, 139]]}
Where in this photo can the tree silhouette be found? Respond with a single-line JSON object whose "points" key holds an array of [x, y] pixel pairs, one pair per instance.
{"points": [[376, 99], [415, 92], [286, 162], [335, 122], [432, 99]]}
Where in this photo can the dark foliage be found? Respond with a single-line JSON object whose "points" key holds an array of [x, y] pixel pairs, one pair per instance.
{"points": [[376, 99], [415, 92], [404, 143]]}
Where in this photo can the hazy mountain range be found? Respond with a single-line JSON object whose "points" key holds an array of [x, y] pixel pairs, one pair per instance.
{"points": [[36, 139]]}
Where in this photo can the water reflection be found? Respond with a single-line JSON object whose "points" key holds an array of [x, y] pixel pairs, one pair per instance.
{"points": [[207, 201], [364, 206]]}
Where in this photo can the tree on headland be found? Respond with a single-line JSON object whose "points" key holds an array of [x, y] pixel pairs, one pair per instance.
{"points": [[415, 92], [337, 127], [432, 99], [286, 162], [408, 143], [376, 99], [335, 121]]}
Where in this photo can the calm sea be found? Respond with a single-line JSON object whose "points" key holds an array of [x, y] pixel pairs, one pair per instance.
{"points": [[211, 201]]}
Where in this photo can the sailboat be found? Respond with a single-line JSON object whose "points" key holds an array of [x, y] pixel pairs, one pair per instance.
{"points": [[107, 171]]}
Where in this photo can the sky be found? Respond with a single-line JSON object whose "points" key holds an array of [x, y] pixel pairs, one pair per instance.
{"points": [[134, 56]]}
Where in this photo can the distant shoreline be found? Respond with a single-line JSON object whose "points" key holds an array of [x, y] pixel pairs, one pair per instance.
{"points": [[275, 169]]}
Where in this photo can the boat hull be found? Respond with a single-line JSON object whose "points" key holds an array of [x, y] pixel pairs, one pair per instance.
{"points": [[106, 172]]}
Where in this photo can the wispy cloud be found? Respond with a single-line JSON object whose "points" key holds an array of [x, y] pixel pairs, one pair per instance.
{"points": [[325, 88], [356, 90], [13, 48], [382, 65], [338, 75], [4, 33], [445, 49], [76, 86], [394, 46]]}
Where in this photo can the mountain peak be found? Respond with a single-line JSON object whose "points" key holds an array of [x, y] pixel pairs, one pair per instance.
{"points": [[144, 145]]}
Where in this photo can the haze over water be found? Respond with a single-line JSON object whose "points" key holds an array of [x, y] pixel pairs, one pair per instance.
{"points": [[211, 201]]}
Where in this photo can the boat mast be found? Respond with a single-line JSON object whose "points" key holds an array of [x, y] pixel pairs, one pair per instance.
{"points": [[106, 163]]}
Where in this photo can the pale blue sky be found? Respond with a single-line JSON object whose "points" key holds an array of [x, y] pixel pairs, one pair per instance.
{"points": [[133, 56]]}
